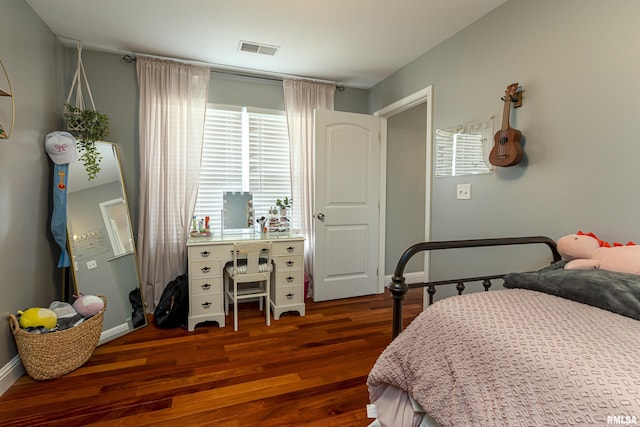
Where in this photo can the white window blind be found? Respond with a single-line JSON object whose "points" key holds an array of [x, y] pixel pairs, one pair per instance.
{"points": [[243, 150], [269, 175]]}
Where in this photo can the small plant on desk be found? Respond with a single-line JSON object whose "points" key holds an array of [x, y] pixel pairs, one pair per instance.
{"points": [[284, 204]]}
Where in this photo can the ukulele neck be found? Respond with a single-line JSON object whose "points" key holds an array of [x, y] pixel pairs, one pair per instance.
{"points": [[505, 112]]}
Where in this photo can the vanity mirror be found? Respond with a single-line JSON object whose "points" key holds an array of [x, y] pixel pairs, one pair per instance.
{"points": [[237, 213], [101, 245]]}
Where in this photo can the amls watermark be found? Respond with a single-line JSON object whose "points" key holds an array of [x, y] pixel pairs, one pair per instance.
{"points": [[622, 419]]}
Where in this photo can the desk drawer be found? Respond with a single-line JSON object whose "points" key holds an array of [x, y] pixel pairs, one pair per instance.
{"points": [[197, 253], [205, 304], [289, 263], [206, 285], [289, 278], [286, 295], [288, 248], [204, 268]]}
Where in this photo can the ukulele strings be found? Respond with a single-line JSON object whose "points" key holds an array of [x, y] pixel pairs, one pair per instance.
{"points": [[502, 149]]}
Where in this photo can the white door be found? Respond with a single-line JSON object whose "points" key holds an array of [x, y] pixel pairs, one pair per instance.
{"points": [[347, 205]]}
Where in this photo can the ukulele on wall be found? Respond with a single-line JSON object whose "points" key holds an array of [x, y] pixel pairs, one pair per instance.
{"points": [[507, 150]]}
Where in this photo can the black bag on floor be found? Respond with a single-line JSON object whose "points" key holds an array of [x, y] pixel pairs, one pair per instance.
{"points": [[137, 315], [173, 308]]}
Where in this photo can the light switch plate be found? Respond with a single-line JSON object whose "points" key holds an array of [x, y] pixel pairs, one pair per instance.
{"points": [[463, 191]]}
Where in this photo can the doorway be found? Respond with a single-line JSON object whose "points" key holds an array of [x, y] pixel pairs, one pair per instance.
{"points": [[407, 185]]}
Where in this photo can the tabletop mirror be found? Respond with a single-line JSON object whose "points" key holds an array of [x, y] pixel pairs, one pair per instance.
{"points": [[101, 244], [237, 213]]}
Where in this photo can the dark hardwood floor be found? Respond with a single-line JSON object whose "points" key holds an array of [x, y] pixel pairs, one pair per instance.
{"points": [[307, 371]]}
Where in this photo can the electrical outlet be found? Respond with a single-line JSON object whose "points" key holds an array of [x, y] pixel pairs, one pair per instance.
{"points": [[463, 191], [91, 264]]}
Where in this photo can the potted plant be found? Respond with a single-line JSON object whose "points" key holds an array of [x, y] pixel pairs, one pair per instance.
{"points": [[88, 126], [284, 204]]}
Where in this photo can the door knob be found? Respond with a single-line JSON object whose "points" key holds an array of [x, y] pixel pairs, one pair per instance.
{"points": [[320, 216]]}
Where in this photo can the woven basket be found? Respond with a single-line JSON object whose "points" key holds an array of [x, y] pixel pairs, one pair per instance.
{"points": [[74, 123], [53, 354]]}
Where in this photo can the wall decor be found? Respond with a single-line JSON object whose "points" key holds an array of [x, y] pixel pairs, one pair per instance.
{"points": [[6, 94], [464, 149], [507, 150]]}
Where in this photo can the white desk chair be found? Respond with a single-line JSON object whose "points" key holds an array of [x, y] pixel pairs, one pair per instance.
{"points": [[251, 264]]}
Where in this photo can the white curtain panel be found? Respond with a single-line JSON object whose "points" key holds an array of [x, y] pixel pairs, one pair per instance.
{"points": [[173, 102], [301, 98]]}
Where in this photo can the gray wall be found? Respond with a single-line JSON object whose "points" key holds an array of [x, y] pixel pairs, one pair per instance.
{"points": [[406, 153], [29, 257], [578, 61], [265, 93]]}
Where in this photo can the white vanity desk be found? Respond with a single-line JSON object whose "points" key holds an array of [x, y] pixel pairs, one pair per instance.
{"points": [[208, 256]]}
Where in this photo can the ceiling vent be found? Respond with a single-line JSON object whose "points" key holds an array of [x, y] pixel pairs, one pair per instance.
{"points": [[263, 49]]}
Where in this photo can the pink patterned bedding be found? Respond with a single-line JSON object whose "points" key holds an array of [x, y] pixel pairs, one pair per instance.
{"points": [[516, 357]]}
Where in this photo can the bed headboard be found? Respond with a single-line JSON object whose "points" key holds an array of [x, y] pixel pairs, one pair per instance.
{"points": [[398, 286]]}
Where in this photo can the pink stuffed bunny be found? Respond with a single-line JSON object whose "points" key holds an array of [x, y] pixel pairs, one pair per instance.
{"points": [[586, 251]]}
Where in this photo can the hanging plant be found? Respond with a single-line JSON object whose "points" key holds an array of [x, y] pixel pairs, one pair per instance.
{"points": [[87, 125]]}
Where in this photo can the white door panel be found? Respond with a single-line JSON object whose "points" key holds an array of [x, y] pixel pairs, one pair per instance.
{"points": [[351, 239], [347, 205]]}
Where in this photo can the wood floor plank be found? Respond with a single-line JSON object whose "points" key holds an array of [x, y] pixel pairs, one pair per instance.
{"points": [[300, 371]]}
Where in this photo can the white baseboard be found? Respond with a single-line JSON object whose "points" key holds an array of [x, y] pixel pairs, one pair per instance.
{"points": [[409, 277], [10, 373], [113, 333]]}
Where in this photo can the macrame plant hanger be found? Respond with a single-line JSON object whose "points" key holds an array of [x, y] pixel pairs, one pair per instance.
{"points": [[84, 122], [73, 118]]}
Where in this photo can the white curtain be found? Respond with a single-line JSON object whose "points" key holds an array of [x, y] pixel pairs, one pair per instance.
{"points": [[301, 98], [173, 102]]}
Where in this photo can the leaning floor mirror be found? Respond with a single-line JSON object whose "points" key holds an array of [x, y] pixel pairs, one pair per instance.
{"points": [[101, 245]]}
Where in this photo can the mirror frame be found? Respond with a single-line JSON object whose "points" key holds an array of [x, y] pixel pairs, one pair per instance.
{"points": [[121, 267]]}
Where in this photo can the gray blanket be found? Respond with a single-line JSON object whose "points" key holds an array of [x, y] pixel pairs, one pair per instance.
{"points": [[609, 290]]}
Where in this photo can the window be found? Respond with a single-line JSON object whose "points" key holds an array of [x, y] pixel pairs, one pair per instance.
{"points": [[244, 149], [463, 150]]}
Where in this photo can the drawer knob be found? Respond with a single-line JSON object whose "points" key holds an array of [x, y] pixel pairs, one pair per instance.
{"points": [[205, 269], [206, 286], [291, 249], [290, 296], [290, 263], [206, 305], [205, 254], [289, 279]]}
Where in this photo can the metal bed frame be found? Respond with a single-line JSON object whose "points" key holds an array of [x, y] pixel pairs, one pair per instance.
{"points": [[398, 287]]}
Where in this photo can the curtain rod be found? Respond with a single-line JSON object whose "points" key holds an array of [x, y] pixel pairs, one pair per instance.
{"points": [[130, 58]]}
